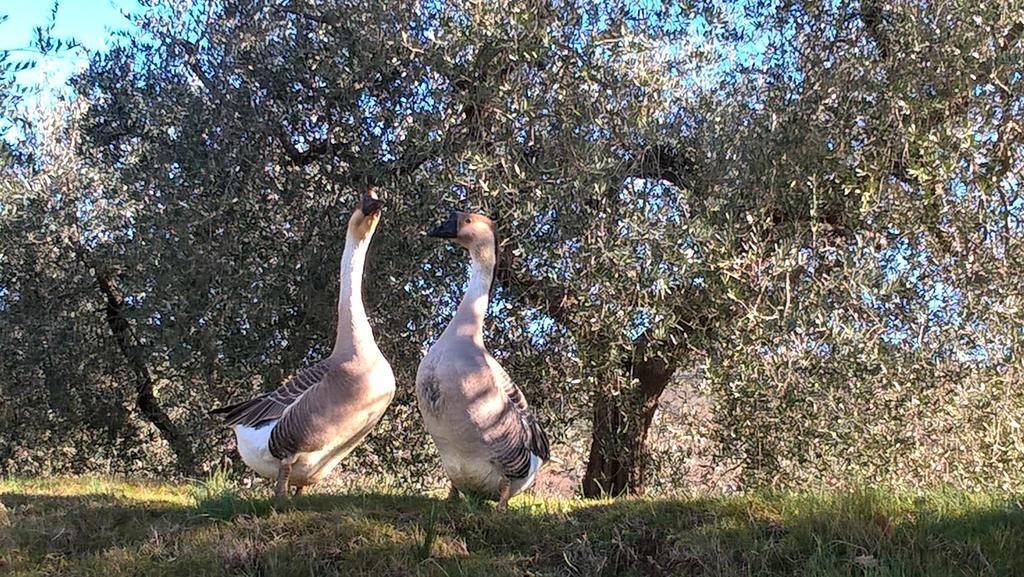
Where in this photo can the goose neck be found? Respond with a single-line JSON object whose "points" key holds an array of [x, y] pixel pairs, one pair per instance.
{"points": [[469, 317], [353, 333]]}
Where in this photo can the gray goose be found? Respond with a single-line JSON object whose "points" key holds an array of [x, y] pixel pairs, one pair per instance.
{"points": [[300, 431], [489, 441]]}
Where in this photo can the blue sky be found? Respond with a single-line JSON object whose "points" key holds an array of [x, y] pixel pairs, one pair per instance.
{"points": [[91, 22]]}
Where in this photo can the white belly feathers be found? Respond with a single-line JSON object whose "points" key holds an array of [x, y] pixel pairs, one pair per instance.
{"points": [[481, 476], [254, 446], [468, 464]]}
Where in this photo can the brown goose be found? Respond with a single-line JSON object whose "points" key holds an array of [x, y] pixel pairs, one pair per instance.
{"points": [[489, 441], [300, 431]]}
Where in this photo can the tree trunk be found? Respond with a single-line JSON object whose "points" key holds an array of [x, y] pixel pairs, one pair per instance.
{"points": [[618, 446], [145, 396]]}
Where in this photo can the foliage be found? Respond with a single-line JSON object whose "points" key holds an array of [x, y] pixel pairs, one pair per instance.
{"points": [[63, 400], [877, 323], [813, 206]]}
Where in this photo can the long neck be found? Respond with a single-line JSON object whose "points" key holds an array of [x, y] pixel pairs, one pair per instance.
{"points": [[354, 335], [469, 317]]}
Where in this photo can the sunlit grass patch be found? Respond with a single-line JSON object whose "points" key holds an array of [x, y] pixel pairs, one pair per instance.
{"points": [[172, 494], [107, 528], [219, 497]]}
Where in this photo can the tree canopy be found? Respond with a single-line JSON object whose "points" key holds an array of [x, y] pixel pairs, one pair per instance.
{"points": [[815, 208]]}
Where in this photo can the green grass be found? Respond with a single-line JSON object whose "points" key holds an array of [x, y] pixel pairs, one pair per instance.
{"points": [[111, 528]]}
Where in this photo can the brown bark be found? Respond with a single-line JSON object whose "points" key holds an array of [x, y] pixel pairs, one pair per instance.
{"points": [[145, 396], [618, 447], [672, 164], [298, 9]]}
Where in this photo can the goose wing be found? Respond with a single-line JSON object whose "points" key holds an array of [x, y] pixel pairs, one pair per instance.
{"points": [[272, 405], [522, 434]]}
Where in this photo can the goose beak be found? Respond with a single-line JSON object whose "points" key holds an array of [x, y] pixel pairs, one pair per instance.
{"points": [[448, 228], [370, 206]]}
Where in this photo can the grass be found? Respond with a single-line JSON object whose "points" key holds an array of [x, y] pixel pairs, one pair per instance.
{"points": [[110, 528]]}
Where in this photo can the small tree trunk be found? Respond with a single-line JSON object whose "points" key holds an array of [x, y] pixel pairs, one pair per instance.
{"points": [[145, 396], [618, 446]]}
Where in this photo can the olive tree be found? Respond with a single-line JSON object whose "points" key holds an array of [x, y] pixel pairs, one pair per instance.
{"points": [[243, 132], [812, 205]]}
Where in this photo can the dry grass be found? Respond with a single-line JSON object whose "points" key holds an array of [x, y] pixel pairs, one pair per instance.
{"points": [[107, 528]]}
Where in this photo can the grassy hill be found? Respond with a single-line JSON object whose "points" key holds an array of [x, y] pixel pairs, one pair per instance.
{"points": [[113, 528]]}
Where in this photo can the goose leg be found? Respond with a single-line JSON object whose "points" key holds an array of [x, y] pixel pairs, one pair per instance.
{"points": [[504, 492], [281, 492]]}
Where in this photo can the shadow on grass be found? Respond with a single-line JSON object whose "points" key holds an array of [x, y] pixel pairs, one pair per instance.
{"points": [[72, 527], [384, 534], [228, 506], [871, 532]]}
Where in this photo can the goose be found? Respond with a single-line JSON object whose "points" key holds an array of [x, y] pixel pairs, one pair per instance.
{"points": [[300, 431], [489, 441]]}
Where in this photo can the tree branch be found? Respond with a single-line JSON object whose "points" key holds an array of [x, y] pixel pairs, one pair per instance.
{"points": [[668, 163], [298, 157], [192, 61], [325, 19], [145, 396]]}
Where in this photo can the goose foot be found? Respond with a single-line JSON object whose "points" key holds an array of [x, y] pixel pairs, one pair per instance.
{"points": [[504, 492], [283, 473], [453, 494]]}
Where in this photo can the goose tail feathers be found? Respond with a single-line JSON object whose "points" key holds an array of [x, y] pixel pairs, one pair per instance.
{"points": [[251, 413]]}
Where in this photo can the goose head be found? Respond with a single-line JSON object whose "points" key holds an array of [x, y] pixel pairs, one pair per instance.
{"points": [[365, 217], [474, 232]]}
